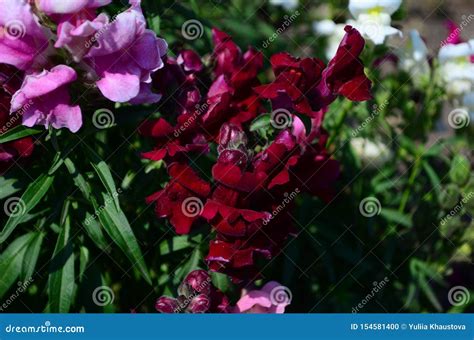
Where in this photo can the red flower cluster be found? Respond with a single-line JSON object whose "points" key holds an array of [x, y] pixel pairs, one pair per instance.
{"points": [[10, 82], [253, 184], [196, 294]]}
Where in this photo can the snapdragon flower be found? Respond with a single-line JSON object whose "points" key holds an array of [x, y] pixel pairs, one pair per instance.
{"points": [[373, 18]]}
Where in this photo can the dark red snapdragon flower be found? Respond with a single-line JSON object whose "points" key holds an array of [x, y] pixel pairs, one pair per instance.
{"points": [[196, 294], [181, 200], [254, 186]]}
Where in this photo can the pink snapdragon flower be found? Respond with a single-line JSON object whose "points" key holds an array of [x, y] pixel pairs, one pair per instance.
{"points": [[271, 299], [124, 55], [22, 38], [44, 100], [68, 6]]}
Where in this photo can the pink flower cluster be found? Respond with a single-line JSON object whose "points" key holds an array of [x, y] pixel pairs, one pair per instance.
{"points": [[118, 55]]}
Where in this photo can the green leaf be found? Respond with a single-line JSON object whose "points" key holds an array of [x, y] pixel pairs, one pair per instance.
{"points": [[434, 179], [260, 122], [78, 179], [31, 256], [178, 243], [61, 277], [397, 217], [17, 132], [460, 170], [117, 226], [11, 262], [30, 198], [221, 281], [8, 187], [107, 180], [94, 230], [83, 261]]}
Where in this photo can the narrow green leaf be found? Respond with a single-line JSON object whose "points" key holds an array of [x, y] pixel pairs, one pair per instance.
{"points": [[94, 230], [117, 226], [31, 256], [30, 198], [61, 277], [11, 262], [83, 261], [107, 180], [17, 132], [434, 179], [397, 217], [78, 179]]}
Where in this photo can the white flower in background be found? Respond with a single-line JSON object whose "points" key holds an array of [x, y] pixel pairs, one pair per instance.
{"points": [[334, 32], [286, 4], [373, 18], [372, 154], [414, 58], [456, 68]]}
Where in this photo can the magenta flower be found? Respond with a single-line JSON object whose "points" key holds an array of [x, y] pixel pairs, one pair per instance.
{"points": [[22, 39], [68, 6], [271, 299], [124, 55], [44, 100]]}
